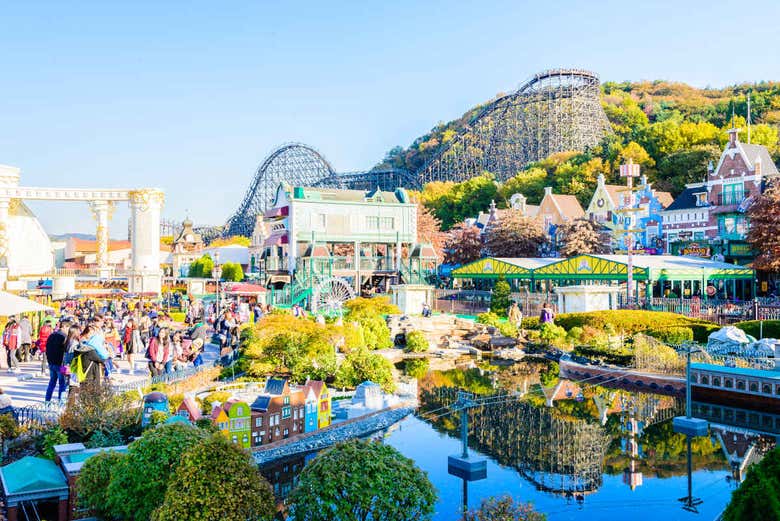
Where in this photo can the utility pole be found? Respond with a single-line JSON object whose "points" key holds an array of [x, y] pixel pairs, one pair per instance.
{"points": [[629, 170], [463, 466]]}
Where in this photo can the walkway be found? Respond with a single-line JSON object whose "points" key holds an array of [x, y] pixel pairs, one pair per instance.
{"points": [[28, 387]]}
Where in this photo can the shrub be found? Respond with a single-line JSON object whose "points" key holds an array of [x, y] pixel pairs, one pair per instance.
{"points": [[93, 480], [104, 439], [357, 480], [503, 326], [672, 335], [217, 479], [575, 334], [97, 408], [530, 322], [49, 438], [771, 328], [758, 497], [503, 508], [549, 375], [499, 299], [551, 334], [416, 342], [9, 429], [417, 368], [139, 482], [232, 272], [361, 365]]}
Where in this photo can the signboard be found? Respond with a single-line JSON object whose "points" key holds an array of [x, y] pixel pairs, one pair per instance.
{"points": [[740, 249], [695, 250], [629, 170]]}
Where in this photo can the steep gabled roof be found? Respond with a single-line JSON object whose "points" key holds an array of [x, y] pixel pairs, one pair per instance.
{"points": [[760, 152], [686, 199], [275, 386], [614, 192], [316, 386], [191, 407], [568, 205], [665, 198]]}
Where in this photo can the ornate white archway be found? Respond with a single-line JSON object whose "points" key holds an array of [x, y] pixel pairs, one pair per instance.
{"points": [[145, 205]]}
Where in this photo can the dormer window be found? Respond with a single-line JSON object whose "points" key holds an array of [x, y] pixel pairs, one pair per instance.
{"points": [[701, 199]]}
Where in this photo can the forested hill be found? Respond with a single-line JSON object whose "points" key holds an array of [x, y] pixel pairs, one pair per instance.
{"points": [[672, 129]]}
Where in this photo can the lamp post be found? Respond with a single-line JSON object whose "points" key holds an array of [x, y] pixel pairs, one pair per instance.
{"points": [[216, 273]]}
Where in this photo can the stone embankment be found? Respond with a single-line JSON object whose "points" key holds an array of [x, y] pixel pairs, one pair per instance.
{"points": [[323, 438], [450, 332]]}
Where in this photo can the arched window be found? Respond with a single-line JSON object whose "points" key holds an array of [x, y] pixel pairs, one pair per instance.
{"points": [[704, 379], [766, 389], [728, 383], [740, 385], [716, 381], [753, 387]]}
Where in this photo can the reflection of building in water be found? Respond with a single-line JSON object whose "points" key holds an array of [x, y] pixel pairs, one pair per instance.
{"points": [[745, 436], [632, 429], [557, 454], [283, 474]]}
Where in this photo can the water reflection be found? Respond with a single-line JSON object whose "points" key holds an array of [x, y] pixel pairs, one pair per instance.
{"points": [[589, 451]]}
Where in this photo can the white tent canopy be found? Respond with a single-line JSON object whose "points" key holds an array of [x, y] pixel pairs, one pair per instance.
{"points": [[11, 304]]}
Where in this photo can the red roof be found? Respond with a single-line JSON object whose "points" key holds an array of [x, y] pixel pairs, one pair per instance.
{"points": [[191, 407], [90, 246], [242, 288]]}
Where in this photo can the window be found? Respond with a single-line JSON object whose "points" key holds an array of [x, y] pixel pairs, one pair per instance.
{"points": [[705, 380], [766, 389], [286, 411], [740, 385], [733, 193], [372, 222], [698, 236], [753, 387], [286, 400], [286, 433], [324, 405], [728, 383], [387, 223], [716, 381], [701, 199], [259, 421], [321, 221]]}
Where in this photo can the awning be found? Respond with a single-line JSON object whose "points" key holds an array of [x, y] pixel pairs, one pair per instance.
{"points": [[282, 211], [276, 240], [11, 304], [245, 289]]}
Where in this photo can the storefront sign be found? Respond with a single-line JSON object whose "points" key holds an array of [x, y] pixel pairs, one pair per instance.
{"points": [[740, 249], [695, 250]]}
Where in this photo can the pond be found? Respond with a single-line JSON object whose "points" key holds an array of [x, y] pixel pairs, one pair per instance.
{"points": [[598, 454]]}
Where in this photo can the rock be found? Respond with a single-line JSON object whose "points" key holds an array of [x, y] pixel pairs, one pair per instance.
{"points": [[499, 342]]}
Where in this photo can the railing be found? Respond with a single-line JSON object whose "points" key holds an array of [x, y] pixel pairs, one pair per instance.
{"points": [[35, 419], [727, 198], [721, 311], [169, 378], [461, 302]]}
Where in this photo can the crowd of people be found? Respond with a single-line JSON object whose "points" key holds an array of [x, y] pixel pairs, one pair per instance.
{"points": [[89, 342]]}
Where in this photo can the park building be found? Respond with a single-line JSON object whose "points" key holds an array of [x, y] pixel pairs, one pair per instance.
{"points": [[366, 239], [708, 218], [646, 205]]}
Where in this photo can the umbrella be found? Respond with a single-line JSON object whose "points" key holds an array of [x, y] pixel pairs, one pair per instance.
{"points": [[11, 304]]}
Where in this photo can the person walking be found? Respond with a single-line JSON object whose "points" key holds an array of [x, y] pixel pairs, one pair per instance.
{"points": [[515, 317], [43, 337], [25, 339], [56, 347], [11, 343], [158, 352], [547, 316], [131, 337]]}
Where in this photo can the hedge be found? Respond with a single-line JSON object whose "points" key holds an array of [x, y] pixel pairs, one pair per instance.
{"points": [[753, 328], [629, 322]]}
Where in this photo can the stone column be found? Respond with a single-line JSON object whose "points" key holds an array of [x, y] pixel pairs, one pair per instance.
{"points": [[102, 211], [145, 206]]}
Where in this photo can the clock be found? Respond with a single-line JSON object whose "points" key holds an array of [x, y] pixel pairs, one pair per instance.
{"points": [[600, 202]]}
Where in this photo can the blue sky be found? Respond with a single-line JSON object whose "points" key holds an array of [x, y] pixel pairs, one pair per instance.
{"points": [[191, 96]]}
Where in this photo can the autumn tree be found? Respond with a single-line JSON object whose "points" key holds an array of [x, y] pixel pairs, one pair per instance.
{"points": [[515, 235], [764, 233], [582, 236], [429, 230], [463, 245]]}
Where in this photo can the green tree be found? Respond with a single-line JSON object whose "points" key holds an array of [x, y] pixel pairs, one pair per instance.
{"points": [[503, 508], [369, 315], [358, 480], [417, 367], [758, 497], [98, 408], [232, 272], [202, 267], [529, 182], [499, 299], [217, 479], [416, 342], [361, 365], [93, 479], [139, 481]]}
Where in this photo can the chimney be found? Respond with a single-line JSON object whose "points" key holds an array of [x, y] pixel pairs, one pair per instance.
{"points": [[643, 180], [733, 139], [710, 167], [600, 180], [547, 190]]}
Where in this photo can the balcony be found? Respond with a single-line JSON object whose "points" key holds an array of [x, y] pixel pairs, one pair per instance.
{"points": [[729, 198]]}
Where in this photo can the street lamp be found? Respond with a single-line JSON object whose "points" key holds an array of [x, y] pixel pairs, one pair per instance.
{"points": [[216, 273]]}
